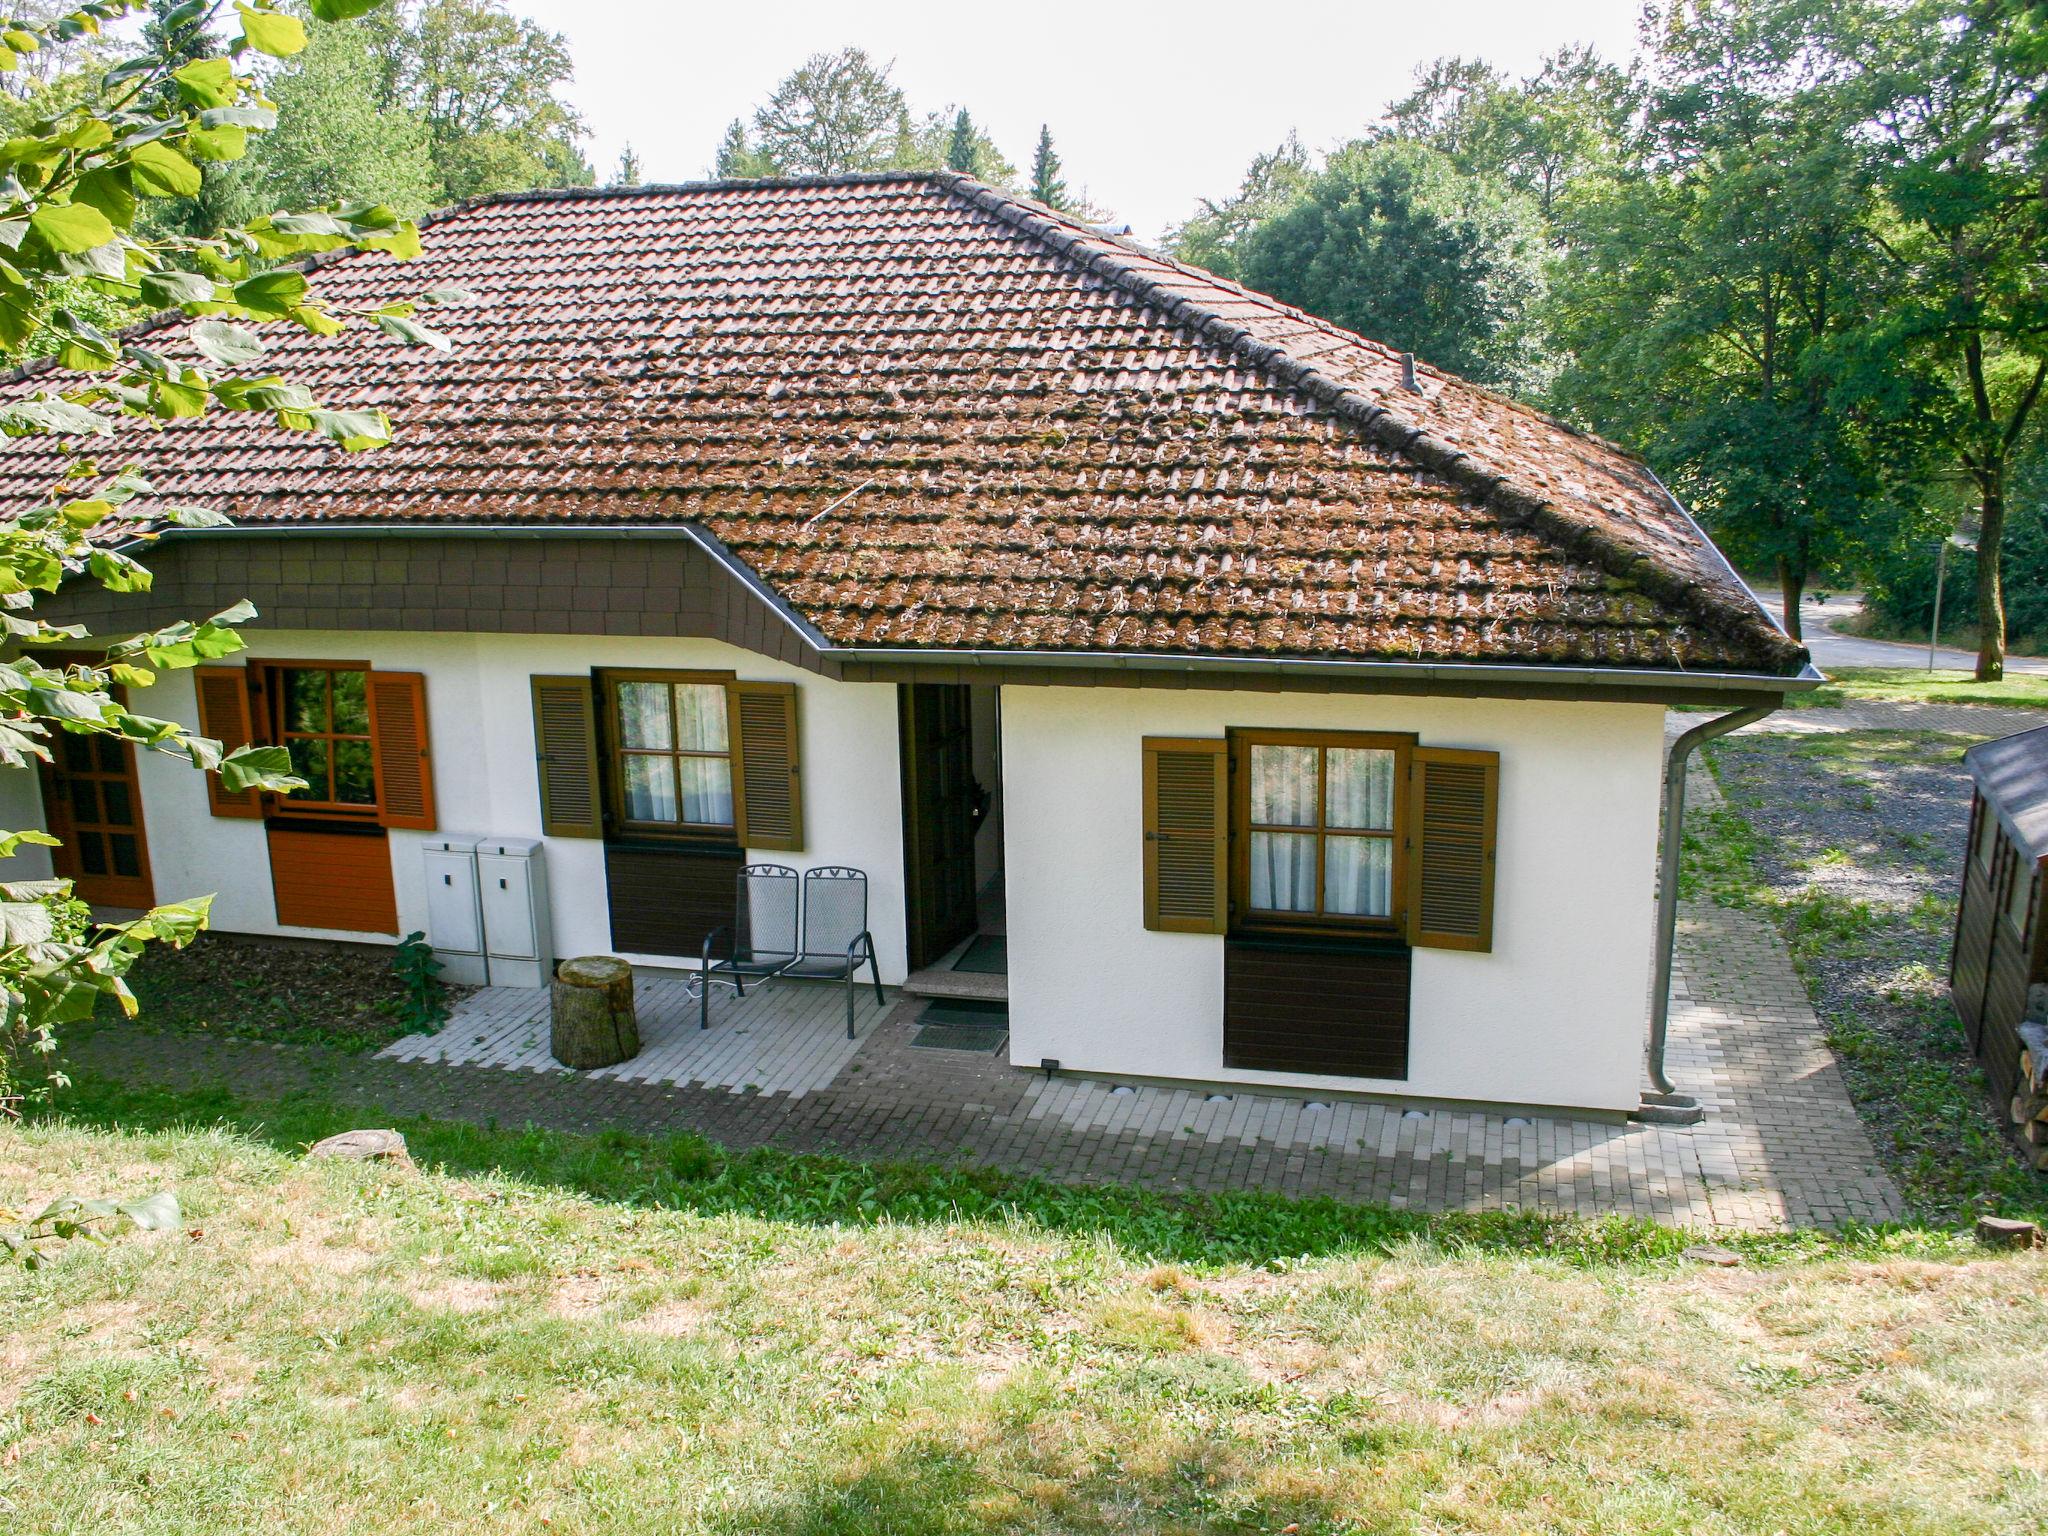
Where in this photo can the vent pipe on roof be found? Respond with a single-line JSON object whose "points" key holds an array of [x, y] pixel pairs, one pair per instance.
{"points": [[1408, 374]]}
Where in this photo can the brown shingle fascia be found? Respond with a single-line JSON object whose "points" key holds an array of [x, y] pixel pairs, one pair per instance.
{"points": [[1382, 426]]}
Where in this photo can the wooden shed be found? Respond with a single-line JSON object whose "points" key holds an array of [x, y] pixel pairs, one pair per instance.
{"points": [[2001, 946]]}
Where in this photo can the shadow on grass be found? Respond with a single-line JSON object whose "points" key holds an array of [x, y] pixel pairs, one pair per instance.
{"points": [[686, 1172]]}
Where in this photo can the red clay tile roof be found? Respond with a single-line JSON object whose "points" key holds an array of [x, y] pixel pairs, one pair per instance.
{"points": [[931, 415]]}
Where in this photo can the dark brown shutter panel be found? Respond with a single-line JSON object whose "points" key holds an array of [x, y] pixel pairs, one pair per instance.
{"points": [[405, 762], [769, 805], [565, 744], [224, 715], [1187, 835], [1451, 848]]}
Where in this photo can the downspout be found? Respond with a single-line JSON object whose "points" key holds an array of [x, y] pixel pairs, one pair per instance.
{"points": [[1667, 1105]]}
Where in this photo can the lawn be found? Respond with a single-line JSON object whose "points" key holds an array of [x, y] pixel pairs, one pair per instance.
{"points": [[1852, 843], [1917, 685], [618, 1335]]}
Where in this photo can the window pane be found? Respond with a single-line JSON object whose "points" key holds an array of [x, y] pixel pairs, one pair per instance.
{"points": [[77, 753], [707, 790], [1284, 871], [1360, 788], [700, 717], [355, 781], [106, 754], [2021, 898], [643, 715], [309, 762], [92, 853], [1284, 787], [126, 860], [85, 801], [650, 788], [351, 704], [305, 701], [114, 795], [1358, 876]]}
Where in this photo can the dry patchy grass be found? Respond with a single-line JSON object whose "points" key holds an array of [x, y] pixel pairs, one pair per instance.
{"points": [[336, 1349]]}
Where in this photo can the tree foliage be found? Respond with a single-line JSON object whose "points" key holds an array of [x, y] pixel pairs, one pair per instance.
{"points": [[1048, 186], [1391, 240], [75, 200]]}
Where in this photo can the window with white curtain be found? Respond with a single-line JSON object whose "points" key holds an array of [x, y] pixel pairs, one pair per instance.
{"points": [[1316, 835], [671, 751]]}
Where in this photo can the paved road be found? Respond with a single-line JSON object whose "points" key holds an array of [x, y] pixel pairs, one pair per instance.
{"points": [[1833, 649]]}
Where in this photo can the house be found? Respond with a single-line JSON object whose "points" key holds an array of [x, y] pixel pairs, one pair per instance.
{"points": [[2001, 937], [1317, 696]]}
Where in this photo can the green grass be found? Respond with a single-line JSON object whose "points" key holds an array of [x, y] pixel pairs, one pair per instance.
{"points": [[590, 1339], [1916, 685]]}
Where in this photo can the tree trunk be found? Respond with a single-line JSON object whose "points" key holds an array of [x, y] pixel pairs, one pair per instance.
{"points": [[1990, 589], [593, 1023], [1792, 583]]}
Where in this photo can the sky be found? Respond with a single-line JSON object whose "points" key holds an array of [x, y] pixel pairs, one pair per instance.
{"points": [[1152, 107]]}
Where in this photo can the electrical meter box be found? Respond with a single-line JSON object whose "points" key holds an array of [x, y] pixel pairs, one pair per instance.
{"points": [[512, 880], [455, 918]]}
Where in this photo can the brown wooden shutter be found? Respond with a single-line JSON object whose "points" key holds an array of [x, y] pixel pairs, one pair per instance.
{"points": [[768, 802], [404, 752], [1187, 835], [1452, 805], [565, 744], [224, 715]]}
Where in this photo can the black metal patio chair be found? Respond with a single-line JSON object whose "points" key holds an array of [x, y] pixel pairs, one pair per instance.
{"points": [[836, 942], [761, 940]]}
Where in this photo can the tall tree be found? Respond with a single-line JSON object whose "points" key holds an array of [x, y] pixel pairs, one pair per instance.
{"points": [[486, 83], [342, 135], [960, 144], [1393, 241], [737, 158], [1540, 135], [1714, 301], [1954, 88], [836, 112], [1216, 236], [1048, 186], [628, 173]]}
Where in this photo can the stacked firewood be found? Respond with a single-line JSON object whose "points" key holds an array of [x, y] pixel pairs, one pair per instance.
{"points": [[2030, 1101]]}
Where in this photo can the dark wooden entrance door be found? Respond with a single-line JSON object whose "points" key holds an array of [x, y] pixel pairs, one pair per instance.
{"points": [[93, 803], [937, 737]]}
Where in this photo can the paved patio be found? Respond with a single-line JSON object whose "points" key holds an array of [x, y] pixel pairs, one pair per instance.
{"points": [[1781, 1145], [786, 1038]]}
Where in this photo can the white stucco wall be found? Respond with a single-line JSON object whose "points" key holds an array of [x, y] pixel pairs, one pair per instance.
{"points": [[1555, 1014], [480, 716]]}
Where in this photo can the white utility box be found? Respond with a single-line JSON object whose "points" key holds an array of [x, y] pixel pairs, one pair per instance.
{"points": [[455, 920], [518, 939]]}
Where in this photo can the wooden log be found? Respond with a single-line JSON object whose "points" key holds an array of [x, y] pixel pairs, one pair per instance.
{"points": [[2003, 1232], [592, 1021], [2034, 1057]]}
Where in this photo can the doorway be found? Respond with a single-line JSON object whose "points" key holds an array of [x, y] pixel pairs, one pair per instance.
{"points": [[93, 803], [950, 739]]}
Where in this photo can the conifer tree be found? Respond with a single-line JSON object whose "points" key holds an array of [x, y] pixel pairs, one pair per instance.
{"points": [[1047, 185], [960, 146]]}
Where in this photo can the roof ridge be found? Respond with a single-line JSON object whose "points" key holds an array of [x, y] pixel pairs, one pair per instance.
{"points": [[1381, 425]]}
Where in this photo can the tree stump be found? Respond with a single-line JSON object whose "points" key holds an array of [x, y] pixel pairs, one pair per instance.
{"points": [[364, 1147], [594, 1024]]}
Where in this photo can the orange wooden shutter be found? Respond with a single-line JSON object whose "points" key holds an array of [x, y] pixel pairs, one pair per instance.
{"points": [[769, 807], [1452, 809], [224, 715], [404, 752], [565, 745], [1187, 835]]}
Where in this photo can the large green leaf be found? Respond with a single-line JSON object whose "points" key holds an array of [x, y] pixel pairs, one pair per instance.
{"points": [[158, 170], [273, 295], [272, 32], [343, 10], [226, 343], [72, 227]]}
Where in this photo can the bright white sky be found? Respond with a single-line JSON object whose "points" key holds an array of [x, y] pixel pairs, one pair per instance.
{"points": [[1151, 106]]}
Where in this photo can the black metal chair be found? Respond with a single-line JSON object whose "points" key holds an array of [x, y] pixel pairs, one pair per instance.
{"points": [[762, 937], [836, 940]]}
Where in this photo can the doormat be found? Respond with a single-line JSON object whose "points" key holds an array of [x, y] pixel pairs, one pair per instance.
{"points": [[986, 952], [962, 1026]]}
